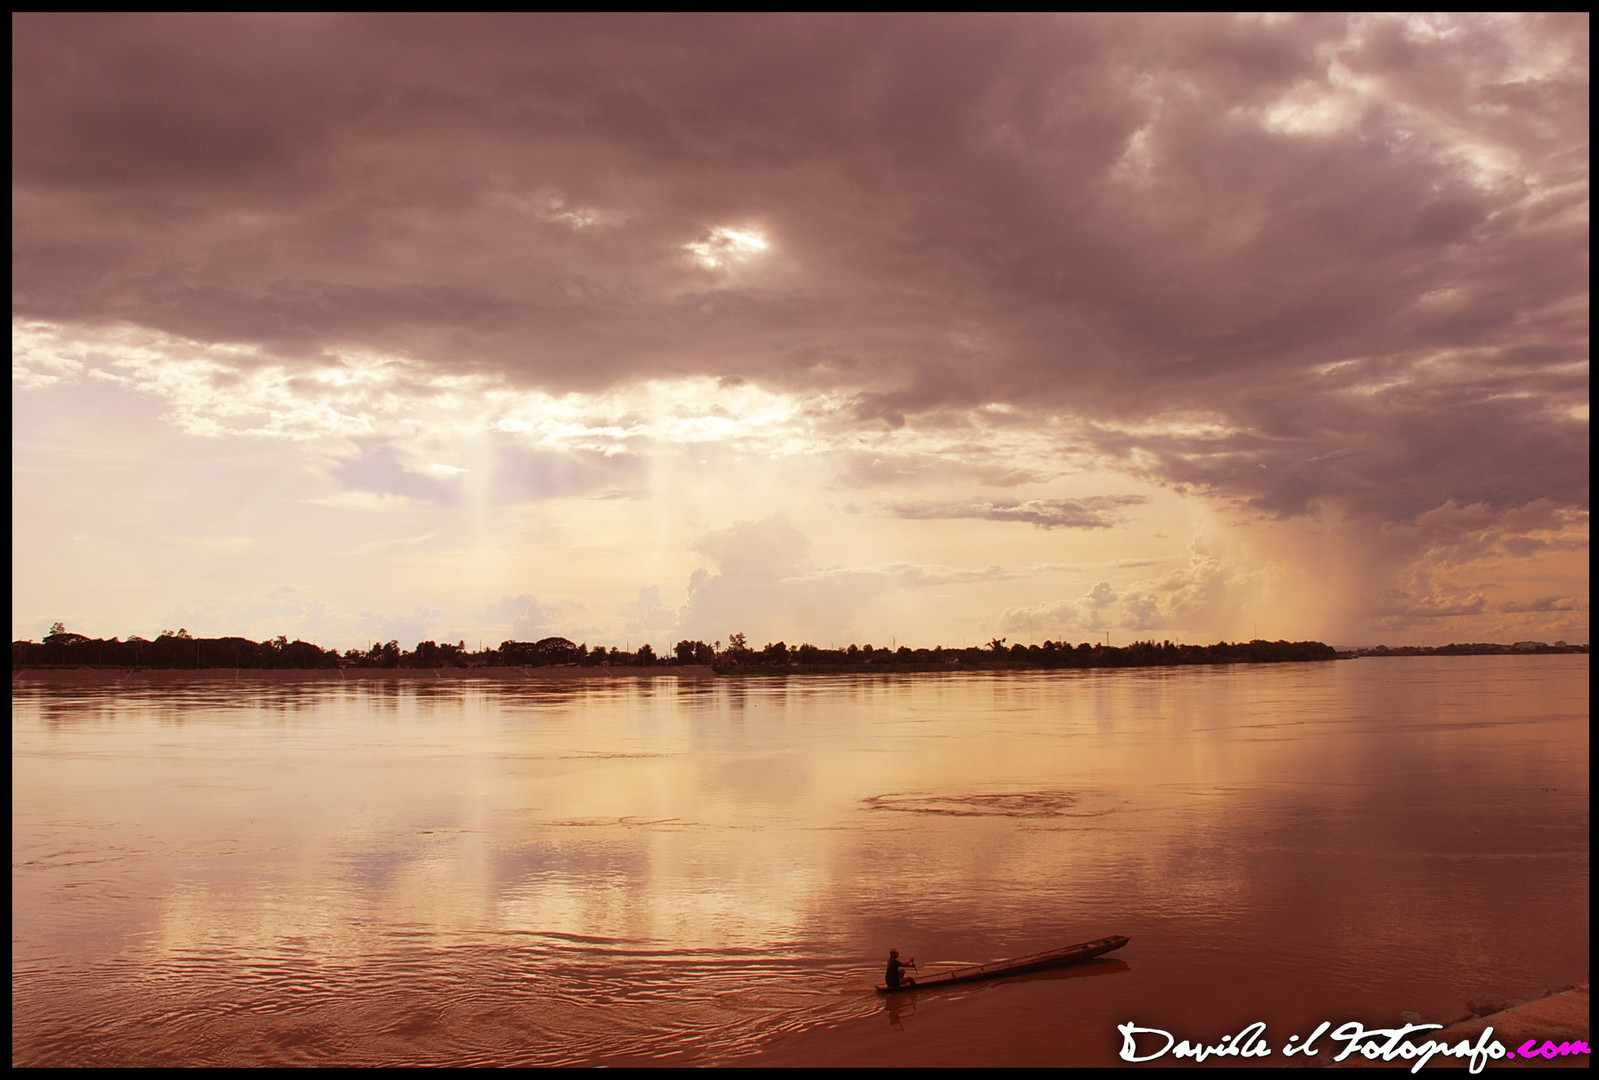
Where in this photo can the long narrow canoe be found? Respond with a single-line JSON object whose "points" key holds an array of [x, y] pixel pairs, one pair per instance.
{"points": [[999, 969]]}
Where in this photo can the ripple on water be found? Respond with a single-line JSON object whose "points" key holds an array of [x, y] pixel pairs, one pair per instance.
{"points": [[501, 1003], [1015, 804]]}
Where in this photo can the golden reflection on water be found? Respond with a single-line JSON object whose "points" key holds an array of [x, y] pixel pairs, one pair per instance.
{"points": [[467, 871]]}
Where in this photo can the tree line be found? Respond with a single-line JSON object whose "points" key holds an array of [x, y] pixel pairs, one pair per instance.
{"points": [[179, 649], [1049, 655]]}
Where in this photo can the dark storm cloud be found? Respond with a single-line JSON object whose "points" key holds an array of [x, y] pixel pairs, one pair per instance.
{"points": [[1391, 454], [1358, 244]]}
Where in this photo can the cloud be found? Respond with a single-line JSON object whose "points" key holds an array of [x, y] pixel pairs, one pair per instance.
{"points": [[1324, 268], [523, 474], [891, 465], [767, 587], [1086, 613], [528, 618], [1405, 609], [408, 629], [1547, 603], [1093, 512], [753, 590], [647, 615], [1052, 214], [1207, 592], [1391, 453], [379, 471]]}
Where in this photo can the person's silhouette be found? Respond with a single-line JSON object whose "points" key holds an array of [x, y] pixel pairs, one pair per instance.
{"points": [[895, 976]]}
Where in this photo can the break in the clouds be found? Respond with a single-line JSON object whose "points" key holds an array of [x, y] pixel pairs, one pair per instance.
{"points": [[572, 295]]}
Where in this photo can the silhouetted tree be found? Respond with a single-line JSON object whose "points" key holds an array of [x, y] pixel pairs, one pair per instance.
{"points": [[557, 650]]}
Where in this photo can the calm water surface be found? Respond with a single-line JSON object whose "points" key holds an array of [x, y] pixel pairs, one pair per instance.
{"points": [[712, 871]]}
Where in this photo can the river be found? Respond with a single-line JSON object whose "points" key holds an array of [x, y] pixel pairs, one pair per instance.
{"points": [[711, 871]]}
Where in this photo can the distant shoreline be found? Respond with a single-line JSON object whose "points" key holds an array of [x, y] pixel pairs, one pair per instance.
{"points": [[1520, 648], [559, 658], [101, 676], [173, 652], [150, 676]]}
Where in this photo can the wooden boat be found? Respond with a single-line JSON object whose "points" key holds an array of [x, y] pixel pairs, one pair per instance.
{"points": [[999, 969]]}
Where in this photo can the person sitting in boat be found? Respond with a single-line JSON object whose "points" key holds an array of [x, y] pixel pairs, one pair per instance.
{"points": [[895, 976]]}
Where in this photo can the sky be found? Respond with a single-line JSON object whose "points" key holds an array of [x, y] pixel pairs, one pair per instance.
{"points": [[893, 330]]}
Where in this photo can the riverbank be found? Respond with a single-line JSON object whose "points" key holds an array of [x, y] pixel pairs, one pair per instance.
{"points": [[170, 676], [1560, 1017], [963, 662]]}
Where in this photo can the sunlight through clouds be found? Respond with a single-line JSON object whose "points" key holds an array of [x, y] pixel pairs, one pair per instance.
{"points": [[726, 247], [939, 291], [677, 411]]}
